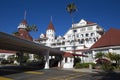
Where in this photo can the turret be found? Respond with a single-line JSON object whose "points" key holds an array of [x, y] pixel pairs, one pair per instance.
{"points": [[23, 25], [50, 32], [23, 33]]}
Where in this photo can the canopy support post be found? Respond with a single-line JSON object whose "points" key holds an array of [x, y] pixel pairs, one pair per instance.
{"points": [[47, 60]]}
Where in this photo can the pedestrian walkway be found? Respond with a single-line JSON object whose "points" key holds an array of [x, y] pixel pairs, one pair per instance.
{"points": [[87, 70]]}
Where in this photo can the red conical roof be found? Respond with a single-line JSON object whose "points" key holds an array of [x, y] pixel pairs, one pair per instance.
{"points": [[50, 26]]}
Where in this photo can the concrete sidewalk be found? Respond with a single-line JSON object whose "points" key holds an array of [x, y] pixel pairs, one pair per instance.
{"points": [[87, 70]]}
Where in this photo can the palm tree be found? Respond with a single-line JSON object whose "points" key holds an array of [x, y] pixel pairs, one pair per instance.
{"points": [[110, 56], [71, 8], [99, 55], [114, 57], [32, 28]]}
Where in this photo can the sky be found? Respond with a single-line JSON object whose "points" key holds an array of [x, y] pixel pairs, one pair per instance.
{"points": [[106, 13]]}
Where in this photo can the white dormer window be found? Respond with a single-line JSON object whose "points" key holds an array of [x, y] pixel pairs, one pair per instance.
{"points": [[82, 22], [22, 26]]}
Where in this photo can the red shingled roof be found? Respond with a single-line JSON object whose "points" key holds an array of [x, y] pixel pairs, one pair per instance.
{"points": [[89, 22], [24, 22], [24, 34], [50, 26], [110, 38], [7, 51]]}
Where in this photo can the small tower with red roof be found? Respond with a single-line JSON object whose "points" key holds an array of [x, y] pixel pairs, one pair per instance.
{"points": [[23, 33], [50, 32]]}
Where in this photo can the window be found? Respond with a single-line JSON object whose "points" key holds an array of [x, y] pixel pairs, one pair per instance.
{"points": [[89, 28], [82, 29], [69, 36], [63, 43], [87, 34], [90, 40], [82, 41], [86, 40], [73, 47], [74, 30], [94, 40], [92, 34], [82, 35], [77, 35]]}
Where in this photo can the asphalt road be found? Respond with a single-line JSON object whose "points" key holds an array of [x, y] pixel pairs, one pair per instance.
{"points": [[25, 73]]}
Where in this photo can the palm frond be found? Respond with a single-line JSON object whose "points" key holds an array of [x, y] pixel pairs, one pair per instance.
{"points": [[32, 28], [71, 8], [15, 33]]}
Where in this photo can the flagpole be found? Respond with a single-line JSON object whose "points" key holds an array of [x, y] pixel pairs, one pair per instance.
{"points": [[25, 15]]}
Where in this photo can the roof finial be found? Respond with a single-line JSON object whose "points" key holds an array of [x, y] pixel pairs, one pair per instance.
{"points": [[51, 19], [25, 15]]}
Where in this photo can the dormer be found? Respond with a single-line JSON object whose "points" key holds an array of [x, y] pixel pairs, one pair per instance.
{"points": [[82, 22]]}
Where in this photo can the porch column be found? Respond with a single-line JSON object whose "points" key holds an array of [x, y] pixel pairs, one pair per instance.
{"points": [[93, 56], [47, 60], [60, 63], [20, 57]]}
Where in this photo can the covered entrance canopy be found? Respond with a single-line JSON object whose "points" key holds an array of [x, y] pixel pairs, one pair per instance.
{"points": [[10, 42]]}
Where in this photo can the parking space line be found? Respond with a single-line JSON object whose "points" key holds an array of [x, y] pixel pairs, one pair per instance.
{"points": [[4, 78], [69, 77], [34, 72]]}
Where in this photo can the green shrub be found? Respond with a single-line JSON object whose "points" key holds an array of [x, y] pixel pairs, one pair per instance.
{"points": [[107, 67], [84, 65], [4, 61], [78, 65], [77, 60]]}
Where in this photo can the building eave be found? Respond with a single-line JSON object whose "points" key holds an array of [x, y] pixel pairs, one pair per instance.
{"points": [[104, 48]]}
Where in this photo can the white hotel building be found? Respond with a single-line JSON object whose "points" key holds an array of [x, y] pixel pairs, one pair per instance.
{"points": [[78, 39]]}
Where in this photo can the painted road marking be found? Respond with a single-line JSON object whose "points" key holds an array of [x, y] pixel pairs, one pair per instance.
{"points": [[68, 77], [33, 72], [4, 78]]}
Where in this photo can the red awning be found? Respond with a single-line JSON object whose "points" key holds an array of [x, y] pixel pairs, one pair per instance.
{"points": [[67, 54], [79, 55]]}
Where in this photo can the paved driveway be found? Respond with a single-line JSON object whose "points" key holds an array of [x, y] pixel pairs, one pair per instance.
{"points": [[53, 74]]}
